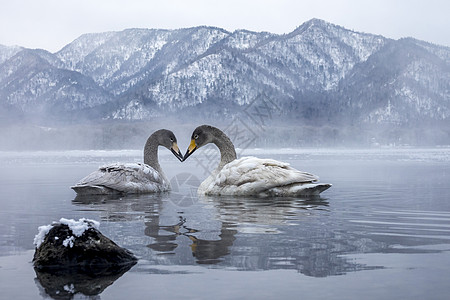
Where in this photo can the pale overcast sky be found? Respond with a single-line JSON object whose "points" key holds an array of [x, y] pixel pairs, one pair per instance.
{"points": [[51, 24]]}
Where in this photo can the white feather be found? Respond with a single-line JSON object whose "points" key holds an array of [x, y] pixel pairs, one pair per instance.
{"points": [[261, 177], [132, 178]]}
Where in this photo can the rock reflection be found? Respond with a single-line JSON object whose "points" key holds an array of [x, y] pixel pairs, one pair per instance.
{"points": [[67, 285]]}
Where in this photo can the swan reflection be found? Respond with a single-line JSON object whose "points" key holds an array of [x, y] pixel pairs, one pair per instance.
{"points": [[204, 250], [240, 232]]}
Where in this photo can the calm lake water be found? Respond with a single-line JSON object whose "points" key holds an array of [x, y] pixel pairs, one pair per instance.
{"points": [[381, 232]]}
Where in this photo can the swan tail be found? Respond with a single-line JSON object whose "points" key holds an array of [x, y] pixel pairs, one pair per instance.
{"points": [[298, 190], [94, 190], [314, 189]]}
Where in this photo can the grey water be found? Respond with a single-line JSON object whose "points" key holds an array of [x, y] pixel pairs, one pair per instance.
{"points": [[381, 232]]}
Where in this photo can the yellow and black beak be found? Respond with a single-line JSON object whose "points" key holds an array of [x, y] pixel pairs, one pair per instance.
{"points": [[176, 151], [192, 147]]}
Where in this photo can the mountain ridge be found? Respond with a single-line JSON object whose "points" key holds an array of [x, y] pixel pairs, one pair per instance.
{"points": [[320, 73]]}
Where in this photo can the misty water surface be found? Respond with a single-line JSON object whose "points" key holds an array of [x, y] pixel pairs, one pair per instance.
{"points": [[381, 232]]}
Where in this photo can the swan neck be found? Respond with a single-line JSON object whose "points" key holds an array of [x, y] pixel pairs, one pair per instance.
{"points": [[226, 148], [151, 153]]}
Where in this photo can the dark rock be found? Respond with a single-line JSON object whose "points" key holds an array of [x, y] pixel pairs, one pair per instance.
{"points": [[79, 246]]}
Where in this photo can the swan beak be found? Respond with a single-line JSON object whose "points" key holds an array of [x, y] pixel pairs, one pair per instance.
{"points": [[191, 149], [176, 151]]}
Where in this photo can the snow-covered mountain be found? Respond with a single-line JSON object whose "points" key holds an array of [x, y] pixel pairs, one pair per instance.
{"points": [[31, 83], [318, 74]]}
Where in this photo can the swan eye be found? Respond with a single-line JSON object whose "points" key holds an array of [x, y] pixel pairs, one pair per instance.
{"points": [[171, 139], [196, 136]]}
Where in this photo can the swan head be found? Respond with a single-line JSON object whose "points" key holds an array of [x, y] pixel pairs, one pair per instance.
{"points": [[167, 139], [201, 136]]}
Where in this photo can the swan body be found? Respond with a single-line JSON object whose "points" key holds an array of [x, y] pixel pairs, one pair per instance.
{"points": [[132, 178], [250, 176]]}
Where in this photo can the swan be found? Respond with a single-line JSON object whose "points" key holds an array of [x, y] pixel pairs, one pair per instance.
{"points": [[133, 178], [250, 176]]}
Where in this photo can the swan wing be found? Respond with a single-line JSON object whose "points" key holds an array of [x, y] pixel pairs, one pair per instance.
{"points": [[253, 176], [125, 178]]}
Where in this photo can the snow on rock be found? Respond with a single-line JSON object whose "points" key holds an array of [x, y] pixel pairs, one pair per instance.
{"points": [[80, 226], [68, 242], [42, 233], [77, 228]]}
